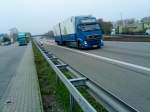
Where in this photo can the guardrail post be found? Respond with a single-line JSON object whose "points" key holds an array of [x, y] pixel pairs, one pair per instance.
{"points": [[57, 79], [72, 102]]}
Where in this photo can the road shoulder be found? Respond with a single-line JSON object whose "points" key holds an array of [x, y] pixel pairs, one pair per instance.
{"points": [[22, 94]]}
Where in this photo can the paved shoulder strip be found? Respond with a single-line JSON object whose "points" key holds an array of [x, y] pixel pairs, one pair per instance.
{"points": [[22, 94]]}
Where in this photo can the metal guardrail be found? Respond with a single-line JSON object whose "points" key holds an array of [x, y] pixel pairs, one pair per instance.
{"points": [[84, 104], [125, 35], [107, 99]]}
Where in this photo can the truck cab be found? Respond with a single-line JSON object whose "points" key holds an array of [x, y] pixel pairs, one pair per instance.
{"points": [[88, 32], [79, 31], [22, 39]]}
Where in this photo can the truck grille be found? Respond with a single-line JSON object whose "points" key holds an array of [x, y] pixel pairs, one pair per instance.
{"points": [[93, 37]]}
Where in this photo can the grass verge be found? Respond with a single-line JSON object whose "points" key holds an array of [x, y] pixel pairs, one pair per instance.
{"points": [[92, 100]]}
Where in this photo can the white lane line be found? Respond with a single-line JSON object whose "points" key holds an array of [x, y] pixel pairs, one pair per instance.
{"points": [[109, 59]]}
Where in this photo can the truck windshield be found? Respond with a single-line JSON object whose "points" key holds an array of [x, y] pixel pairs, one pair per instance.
{"points": [[89, 27]]}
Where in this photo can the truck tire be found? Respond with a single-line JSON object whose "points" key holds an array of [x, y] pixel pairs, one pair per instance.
{"points": [[78, 44], [57, 43]]}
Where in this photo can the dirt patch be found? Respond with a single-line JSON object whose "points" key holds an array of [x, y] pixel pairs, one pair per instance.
{"points": [[50, 104]]}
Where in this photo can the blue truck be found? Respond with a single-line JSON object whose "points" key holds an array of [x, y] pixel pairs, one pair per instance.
{"points": [[22, 39], [79, 31]]}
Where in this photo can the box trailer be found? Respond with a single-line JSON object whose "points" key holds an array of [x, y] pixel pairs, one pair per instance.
{"points": [[79, 31]]}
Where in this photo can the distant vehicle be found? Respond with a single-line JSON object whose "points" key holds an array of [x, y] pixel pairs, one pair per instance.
{"points": [[5, 40], [41, 42], [147, 32], [79, 31], [113, 31], [22, 39], [6, 43]]}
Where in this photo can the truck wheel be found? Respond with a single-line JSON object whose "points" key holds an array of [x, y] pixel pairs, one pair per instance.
{"points": [[63, 43], [78, 44], [57, 43]]}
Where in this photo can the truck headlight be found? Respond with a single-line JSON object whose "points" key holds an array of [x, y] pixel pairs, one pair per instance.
{"points": [[85, 42]]}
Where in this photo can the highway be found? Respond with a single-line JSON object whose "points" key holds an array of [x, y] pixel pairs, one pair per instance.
{"points": [[121, 68], [10, 57]]}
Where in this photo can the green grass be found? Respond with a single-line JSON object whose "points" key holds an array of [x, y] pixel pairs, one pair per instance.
{"points": [[91, 100]]}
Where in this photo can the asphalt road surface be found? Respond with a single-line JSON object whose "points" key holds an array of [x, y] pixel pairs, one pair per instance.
{"points": [[125, 72], [10, 57]]}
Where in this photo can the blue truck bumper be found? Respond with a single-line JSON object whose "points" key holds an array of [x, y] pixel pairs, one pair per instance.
{"points": [[22, 43], [95, 44]]}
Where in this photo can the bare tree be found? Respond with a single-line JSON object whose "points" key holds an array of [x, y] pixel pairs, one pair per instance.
{"points": [[126, 22], [145, 19], [13, 33], [106, 26]]}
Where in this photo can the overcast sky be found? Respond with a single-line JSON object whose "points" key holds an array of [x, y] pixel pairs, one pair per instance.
{"points": [[38, 16]]}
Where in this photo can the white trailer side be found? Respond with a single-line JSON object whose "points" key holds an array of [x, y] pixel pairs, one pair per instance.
{"points": [[68, 26], [56, 30]]}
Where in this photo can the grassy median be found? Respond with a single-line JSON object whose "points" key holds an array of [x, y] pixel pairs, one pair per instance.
{"points": [[55, 96]]}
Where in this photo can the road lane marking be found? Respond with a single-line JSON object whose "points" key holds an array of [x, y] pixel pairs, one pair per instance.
{"points": [[109, 59]]}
